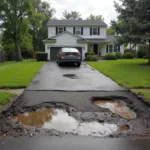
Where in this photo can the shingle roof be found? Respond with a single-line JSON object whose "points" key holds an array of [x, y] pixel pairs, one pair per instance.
{"points": [[77, 23], [109, 38]]}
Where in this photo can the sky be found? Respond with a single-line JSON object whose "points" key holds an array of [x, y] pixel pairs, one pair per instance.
{"points": [[86, 7]]}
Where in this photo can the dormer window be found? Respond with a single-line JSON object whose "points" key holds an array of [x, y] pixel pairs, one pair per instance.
{"points": [[60, 30], [95, 31], [78, 30]]}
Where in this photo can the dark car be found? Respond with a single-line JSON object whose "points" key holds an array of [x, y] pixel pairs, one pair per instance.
{"points": [[69, 55]]}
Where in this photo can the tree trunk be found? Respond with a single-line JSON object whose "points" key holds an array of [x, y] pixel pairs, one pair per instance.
{"points": [[18, 51], [149, 54]]}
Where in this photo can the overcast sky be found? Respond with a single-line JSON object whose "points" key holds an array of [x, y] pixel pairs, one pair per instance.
{"points": [[86, 7]]}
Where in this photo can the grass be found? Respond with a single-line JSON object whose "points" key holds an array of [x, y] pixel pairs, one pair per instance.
{"points": [[130, 73], [144, 93], [5, 97], [18, 74]]}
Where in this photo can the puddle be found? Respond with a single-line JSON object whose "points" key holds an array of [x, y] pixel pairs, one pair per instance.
{"points": [[71, 76], [61, 121], [124, 128], [117, 108]]}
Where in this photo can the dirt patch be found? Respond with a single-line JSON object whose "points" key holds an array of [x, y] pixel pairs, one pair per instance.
{"points": [[71, 76], [124, 128], [117, 108], [15, 91]]}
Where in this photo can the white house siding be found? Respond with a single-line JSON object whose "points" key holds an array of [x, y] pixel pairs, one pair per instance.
{"points": [[66, 40], [86, 32], [69, 29], [51, 31], [103, 49]]}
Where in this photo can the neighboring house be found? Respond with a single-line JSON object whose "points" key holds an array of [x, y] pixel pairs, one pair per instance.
{"points": [[85, 35]]}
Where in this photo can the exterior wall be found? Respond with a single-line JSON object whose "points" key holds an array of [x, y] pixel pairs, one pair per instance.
{"points": [[103, 49], [66, 40], [86, 32], [51, 31], [69, 29]]}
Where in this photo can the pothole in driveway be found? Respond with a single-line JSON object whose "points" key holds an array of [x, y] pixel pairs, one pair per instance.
{"points": [[71, 76], [117, 108], [61, 121], [124, 128]]}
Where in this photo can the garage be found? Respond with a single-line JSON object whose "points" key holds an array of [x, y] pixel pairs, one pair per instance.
{"points": [[55, 50], [53, 53]]}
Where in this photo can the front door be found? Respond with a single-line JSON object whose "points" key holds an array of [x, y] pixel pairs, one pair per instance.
{"points": [[95, 49]]}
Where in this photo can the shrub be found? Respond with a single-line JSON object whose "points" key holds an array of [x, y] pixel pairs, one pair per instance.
{"points": [[119, 55], [128, 55], [142, 50], [145, 57], [110, 56], [88, 53], [41, 56], [91, 58], [133, 52]]}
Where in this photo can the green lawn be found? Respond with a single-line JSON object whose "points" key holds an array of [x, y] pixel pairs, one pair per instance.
{"points": [[18, 74], [5, 97], [144, 92], [127, 73]]}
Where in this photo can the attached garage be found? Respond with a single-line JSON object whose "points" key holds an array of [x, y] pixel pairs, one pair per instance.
{"points": [[53, 53], [55, 50]]}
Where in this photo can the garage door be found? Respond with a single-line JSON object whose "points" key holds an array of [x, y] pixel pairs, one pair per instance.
{"points": [[55, 50], [53, 53]]}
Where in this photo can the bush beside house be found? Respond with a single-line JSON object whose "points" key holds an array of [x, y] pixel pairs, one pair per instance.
{"points": [[91, 58], [41, 56], [110, 56], [119, 55], [128, 55]]}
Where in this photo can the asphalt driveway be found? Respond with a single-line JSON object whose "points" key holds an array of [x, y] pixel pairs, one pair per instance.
{"points": [[51, 78]]}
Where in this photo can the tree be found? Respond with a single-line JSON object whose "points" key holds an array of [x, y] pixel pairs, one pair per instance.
{"points": [[73, 15], [135, 16], [13, 14], [66, 15], [41, 14], [98, 17], [110, 31]]}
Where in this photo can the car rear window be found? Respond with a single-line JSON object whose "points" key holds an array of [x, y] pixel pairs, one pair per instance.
{"points": [[69, 50]]}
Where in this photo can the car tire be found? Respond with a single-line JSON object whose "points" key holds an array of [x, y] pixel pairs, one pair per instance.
{"points": [[78, 64], [59, 64]]}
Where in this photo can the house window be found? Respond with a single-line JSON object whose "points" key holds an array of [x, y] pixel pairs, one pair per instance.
{"points": [[78, 30], [95, 31], [60, 30], [110, 48], [115, 48]]}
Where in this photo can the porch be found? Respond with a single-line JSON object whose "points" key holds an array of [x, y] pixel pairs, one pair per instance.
{"points": [[98, 49]]}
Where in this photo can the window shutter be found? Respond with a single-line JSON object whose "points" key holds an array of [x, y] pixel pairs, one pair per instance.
{"points": [[56, 30], [98, 31], [118, 48], [64, 28], [74, 30], [107, 49], [82, 31], [90, 31]]}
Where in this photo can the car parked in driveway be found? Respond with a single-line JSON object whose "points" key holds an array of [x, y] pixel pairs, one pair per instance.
{"points": [[69, 55]]}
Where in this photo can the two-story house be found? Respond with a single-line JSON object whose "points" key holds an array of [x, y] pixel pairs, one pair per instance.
{"points": [[85, 35]]}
